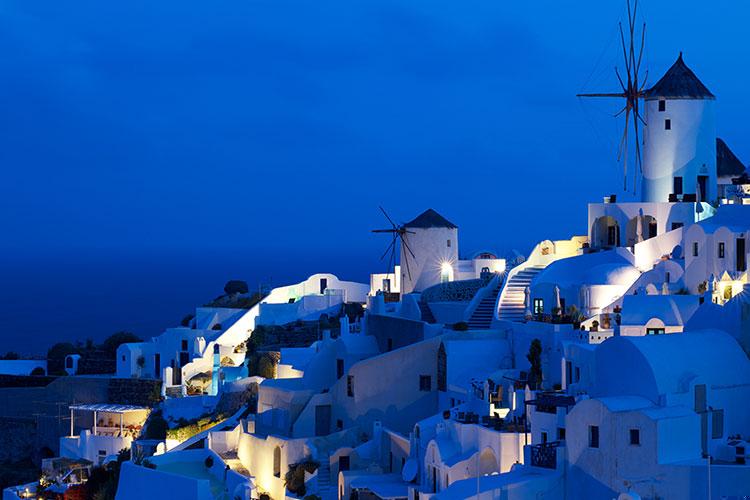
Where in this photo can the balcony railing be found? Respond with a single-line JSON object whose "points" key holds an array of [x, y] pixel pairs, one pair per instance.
{"points": [[544, 455]]}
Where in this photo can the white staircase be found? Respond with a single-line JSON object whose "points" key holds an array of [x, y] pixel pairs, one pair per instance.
{"points": [[326, 489], [481, 318], [512, 298]]}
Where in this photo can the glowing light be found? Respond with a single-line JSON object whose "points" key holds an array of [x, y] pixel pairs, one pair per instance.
{"points": [[446, 272]]}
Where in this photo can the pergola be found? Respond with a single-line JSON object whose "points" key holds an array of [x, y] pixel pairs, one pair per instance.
{"points": [[104, 408]]}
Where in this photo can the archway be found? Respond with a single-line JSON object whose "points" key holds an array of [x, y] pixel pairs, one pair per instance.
{"points": [[648, 229], [488, 462], [605, 232]]}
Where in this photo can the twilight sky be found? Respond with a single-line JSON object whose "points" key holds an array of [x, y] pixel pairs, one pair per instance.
{"points": [[273, 129]]}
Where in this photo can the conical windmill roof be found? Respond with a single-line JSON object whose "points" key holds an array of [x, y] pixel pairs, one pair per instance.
{"points": [[679, 82], [430, 218]]}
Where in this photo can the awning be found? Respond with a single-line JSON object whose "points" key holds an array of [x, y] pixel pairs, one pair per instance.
{"points": [[108, 408]]}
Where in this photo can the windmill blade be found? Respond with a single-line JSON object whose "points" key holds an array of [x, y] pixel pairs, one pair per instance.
{"points": [[601, 95], [406, 261], [387, 217], [406, 245], [640, 52], [389, 248], [619, 79], [384, 230]]}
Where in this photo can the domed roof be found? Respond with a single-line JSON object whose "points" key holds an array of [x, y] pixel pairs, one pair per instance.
{"points": [[679, 82]]}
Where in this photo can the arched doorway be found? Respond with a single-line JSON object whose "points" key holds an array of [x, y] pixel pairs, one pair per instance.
{"points": [[605, 232], [488, 462], [648, 229]]}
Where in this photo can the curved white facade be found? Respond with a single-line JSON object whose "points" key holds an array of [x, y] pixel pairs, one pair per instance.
{"points": [[679, 141]]}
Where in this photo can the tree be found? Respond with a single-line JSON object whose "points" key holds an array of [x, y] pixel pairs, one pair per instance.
{"points": [[56, 357], [115, 340], [266, 367], [535, 360], [235, 286]]}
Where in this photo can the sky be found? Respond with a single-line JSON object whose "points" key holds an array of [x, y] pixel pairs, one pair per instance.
{"points": [[152, 150]]}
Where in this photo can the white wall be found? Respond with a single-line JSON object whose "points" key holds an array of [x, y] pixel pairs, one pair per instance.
{"points": [[431, 250], [687, 150]]}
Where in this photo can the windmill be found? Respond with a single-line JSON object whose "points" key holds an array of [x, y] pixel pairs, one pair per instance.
{"points": [[632, 90], [398, 233]]}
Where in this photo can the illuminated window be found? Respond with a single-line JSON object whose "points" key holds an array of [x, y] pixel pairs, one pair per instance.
{"points": [[538, 306], [655, 331]]}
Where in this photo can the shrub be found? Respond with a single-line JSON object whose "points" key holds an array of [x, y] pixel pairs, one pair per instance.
{"points": [[227, 361], [115, 340], [295, 476], [38, 371], [266, 367], [235, 286], [209, 462], [461, 326], [187, 319], [141, 361], [535, 360], [217, 326], [156, 427]]}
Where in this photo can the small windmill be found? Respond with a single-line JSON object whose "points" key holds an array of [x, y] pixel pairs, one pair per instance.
{"points": [[398, 233], [632, 90]]}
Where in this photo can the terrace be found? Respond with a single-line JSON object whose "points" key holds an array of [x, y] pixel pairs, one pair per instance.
{"points": [[113, 427]]}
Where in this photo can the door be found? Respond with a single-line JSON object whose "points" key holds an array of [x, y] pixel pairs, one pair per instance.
{"points": [[343, 463], [702, 186], [613, 236], [323, 420], [740, 251], [323, 285], [157, 366]]}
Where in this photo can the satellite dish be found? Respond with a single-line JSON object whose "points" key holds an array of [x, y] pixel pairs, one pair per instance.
{"points": [[409, 472]]}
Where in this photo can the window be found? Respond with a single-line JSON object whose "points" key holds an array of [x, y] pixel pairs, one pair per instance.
{"points": [[677, 185], [635, 437], [593, 436], [578, 374], [123, 358], [449, 243], [538, 306], [390, 344], [339, 368], [721, 249], [544, 437], [667, 124], [184, 345], [655, 331], [350, 386], [277, 462], [695, 249], [425, 383], [561, 433], [662, 105], [717, 424], [387, 285], [442, 370], [339, 424]]}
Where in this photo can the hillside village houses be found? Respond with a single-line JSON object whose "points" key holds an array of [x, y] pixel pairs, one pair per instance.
{"points": [[613, 364]]}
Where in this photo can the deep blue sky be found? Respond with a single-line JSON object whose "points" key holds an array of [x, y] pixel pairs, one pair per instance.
{"points": [[156, 149]]}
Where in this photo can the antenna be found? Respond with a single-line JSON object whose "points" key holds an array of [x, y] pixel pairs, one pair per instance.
{"points": [[632, 90]]}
